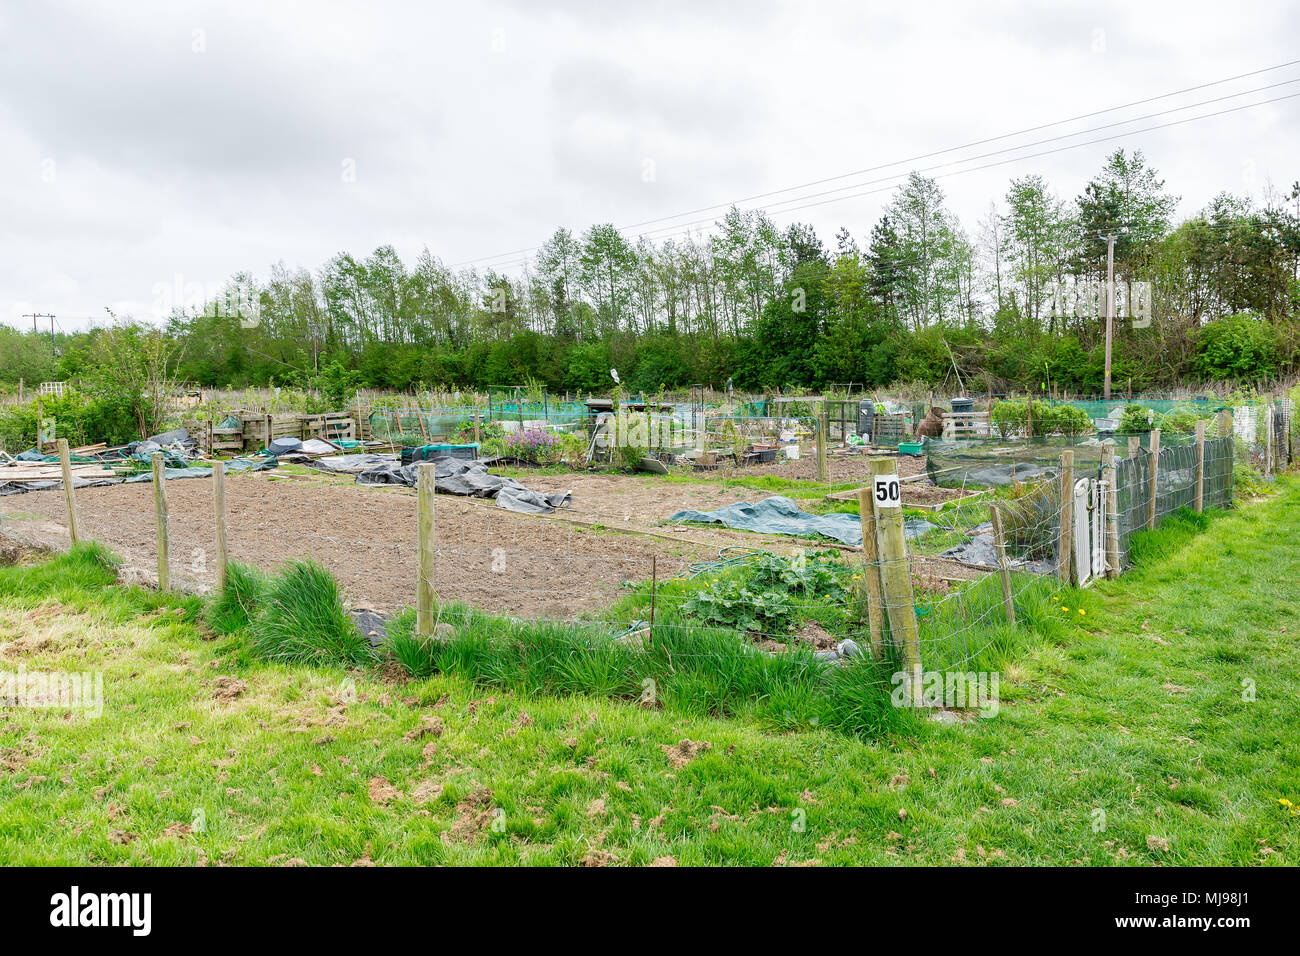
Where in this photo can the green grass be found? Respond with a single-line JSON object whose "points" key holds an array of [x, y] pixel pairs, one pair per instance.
{"points": [[237, 604], [302, 619], [1168, 706]]}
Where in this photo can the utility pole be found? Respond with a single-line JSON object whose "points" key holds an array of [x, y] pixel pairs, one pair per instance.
{"points": [[1110, 306], [42, 315]]}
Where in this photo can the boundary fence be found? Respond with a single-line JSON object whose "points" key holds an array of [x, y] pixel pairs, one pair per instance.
{"points": [[902, 601]]}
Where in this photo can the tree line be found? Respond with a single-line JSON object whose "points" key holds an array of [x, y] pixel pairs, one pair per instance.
{"points": [[1008, 305]]}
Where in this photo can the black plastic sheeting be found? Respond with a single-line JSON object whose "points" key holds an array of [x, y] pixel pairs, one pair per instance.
{"points": [[456, 476], [780, 515]]}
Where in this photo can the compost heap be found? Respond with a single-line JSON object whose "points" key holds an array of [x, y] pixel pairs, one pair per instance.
{"points": [[460, 476]]}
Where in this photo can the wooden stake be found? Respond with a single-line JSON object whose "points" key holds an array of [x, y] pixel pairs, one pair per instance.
{"points": [[822, 426], [1200, 467], [654, 586], [65, 460], [219, 512], [1112, 511], [1134, 447], [1004, 570], [160, 519], [1064, 555], [871, 588], [1153, 457], [896, 577], [425, 597]]}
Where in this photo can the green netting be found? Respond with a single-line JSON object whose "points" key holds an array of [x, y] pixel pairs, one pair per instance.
{"points": [[554, 413], [389, 424], [1115, 407]]}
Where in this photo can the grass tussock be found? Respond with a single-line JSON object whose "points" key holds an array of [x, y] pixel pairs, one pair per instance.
{"points": [[236, 605], [303, 620]]}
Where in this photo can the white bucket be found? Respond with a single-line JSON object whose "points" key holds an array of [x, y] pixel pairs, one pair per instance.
{"points": [[791, 451]]}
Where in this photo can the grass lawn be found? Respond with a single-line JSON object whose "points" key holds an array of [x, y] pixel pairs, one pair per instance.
{"points": [[1159, 727]]}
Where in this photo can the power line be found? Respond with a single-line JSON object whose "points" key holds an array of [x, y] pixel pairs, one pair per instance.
{"points": [[684, 229], [921, 156]]}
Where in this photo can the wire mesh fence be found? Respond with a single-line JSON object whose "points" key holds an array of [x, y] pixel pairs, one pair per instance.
{"points": [[941, 587]]}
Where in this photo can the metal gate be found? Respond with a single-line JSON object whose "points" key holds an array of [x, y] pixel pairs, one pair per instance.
{"points": [[1089, 529]]}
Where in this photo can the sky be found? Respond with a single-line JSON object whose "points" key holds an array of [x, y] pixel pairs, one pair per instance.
{"points": [[151, 150]]}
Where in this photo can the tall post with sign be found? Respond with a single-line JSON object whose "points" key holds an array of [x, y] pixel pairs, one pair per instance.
{"points": [[896, 572]]}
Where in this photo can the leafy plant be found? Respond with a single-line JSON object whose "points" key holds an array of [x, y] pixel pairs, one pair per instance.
{"points": [[1136, 419]]}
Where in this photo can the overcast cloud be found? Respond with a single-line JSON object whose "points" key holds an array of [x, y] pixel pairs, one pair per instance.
{"points": [[143, 141]]}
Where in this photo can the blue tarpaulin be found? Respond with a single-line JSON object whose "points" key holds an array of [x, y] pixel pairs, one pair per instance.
{"points": [[780, 515]]}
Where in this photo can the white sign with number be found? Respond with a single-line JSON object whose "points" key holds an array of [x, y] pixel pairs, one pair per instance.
{"points": [[887, 491]]}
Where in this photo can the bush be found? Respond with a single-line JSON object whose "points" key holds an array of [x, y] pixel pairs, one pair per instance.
{"points": [[1012, 416], [1239, 347], [1136, 419], [303, 620]]}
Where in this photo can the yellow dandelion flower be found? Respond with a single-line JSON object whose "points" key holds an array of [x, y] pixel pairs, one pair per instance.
{"points": [[1284, 801], [1081, 611], [1064, 608]]}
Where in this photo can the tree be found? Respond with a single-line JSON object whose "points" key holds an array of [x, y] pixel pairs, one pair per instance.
{"points": [[132, 363]]}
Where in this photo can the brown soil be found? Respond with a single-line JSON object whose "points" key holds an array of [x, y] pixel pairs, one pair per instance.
{"points": [[566, 565]]}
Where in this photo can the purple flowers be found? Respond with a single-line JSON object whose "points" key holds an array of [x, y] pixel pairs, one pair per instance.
{"points": [[531, 445]]}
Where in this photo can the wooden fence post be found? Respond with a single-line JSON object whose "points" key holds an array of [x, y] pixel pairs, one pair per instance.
{"points": [[1112, 508], [871, 588], [425, 492], [1154, 459], [1200, 467], [1134, 447], [1225, 431], [1268, 436], [219, 512], [822, 425], [1064, 555], [160, 519], [65, 461], [896, 572], [1004, 571]]}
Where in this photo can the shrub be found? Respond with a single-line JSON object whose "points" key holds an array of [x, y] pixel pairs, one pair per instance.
{"points": [[1239, 347], [1136, 419], [1012, 416], [303, 619]]}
